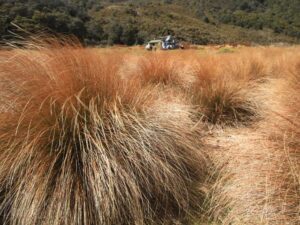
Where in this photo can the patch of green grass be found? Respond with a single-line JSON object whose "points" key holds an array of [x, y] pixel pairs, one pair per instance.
{"points": [[226, 50]]}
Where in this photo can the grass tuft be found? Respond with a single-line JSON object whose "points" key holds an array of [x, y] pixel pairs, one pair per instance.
{"points": [[81, 145]]}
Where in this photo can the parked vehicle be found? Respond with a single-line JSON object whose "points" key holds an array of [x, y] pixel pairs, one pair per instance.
{"points": [[165, 43], [153, 45]]}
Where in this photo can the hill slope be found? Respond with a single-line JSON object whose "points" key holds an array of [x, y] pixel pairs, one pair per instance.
{"points": [[136, 21]]}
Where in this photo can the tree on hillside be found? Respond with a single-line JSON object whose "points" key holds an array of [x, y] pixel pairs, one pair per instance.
{"points": [[114, 32]]}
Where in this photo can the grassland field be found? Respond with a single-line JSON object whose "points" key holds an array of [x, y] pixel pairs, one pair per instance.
{"points": [[205, 135]]}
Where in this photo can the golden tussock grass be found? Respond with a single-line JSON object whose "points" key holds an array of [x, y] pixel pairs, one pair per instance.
{"points": [[81, 145], [223, 90], [159, 69], [93, 136], [257, 167]]}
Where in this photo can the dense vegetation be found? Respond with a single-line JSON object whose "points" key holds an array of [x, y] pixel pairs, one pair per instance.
{"points": [[136, 21], [280, 16]]}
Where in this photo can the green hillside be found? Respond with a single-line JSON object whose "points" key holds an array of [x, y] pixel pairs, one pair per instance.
{"points": [[280, 16], [136, 21]]}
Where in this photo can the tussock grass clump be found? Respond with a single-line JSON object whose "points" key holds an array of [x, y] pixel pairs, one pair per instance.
{"points": [[225, 89], [258, 174], [80, 145], [159, 69], [258, 167]]}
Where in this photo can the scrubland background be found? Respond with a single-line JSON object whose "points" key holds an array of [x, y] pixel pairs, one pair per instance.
{"points": [[131, 22]]}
